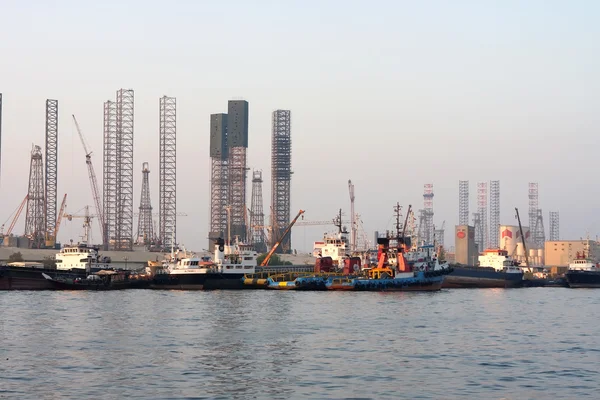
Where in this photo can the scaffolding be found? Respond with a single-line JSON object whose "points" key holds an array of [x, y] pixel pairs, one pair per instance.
{"points": [[35, 224], [539, 236], [554, 226], [533, 205], [281, 174], [167, 217], [51, 164], [482, 205], [478, 228], [428, 229], [110, 172], [494, 232], [219, 177], [124, 222], [257, 217], [145, 231], [237, 142], [463, 202]]}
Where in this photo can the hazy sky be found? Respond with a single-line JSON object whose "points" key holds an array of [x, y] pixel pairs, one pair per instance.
{"points": [[390, 94]]}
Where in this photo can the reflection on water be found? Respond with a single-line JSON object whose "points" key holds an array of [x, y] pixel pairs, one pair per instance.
{"points": [[514, 344]]}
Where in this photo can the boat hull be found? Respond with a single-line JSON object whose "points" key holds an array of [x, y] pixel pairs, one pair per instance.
{"points": [[583, 279], [23, 278], [208, 281], [99, 286], [478, 277]]}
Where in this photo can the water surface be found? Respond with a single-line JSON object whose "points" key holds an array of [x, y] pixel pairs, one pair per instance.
{"points": [[535, 343]]}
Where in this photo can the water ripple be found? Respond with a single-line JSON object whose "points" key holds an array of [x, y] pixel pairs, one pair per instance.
{"points": [[454, 344]]}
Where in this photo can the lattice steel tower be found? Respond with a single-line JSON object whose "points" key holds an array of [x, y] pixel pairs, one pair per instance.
{"points": [[479, 236], [257, 216], [539, 236], [124, 222], [51, 164], [494, 241], [35, 224], [237, 142], [533, 206], [145, 231], [554, 226], [482, 205], [110, 172], [281, 176], [428, 213], [167, 217], [219, 178], [463, 202]]}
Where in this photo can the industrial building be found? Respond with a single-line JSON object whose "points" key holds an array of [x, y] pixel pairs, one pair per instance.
{"points": [[560, 253], [466, 251]]}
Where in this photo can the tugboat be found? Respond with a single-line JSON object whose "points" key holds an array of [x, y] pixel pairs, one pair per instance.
{"points": [[73, 261], [426, 275], [226, 271], [391, 272], [583, 273]]}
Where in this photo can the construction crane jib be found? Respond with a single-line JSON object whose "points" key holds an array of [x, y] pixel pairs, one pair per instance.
{"points": [[94, 184], [285, 233]]}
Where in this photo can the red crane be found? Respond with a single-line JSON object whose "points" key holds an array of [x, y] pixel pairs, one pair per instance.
{"points": [[94, 184], [285, 233]]}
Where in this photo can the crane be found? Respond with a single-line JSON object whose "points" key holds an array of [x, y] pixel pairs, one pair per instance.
{"points": [[94, 184], [16, 217], [352, 217], [51, 238], [523, 240], [285, 233], [87, 223]]}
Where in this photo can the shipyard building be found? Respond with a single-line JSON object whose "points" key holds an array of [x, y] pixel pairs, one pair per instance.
{"points": [[561, 253]]}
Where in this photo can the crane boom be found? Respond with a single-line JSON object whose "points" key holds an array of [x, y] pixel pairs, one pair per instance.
{"points": [[522, 238], [61, 212], [94, 185], [14, 221], [285, 233]]}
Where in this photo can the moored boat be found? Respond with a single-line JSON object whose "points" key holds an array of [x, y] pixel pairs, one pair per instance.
{"points": [[583, 273], [189, 272], [72, 261], [495, 269]]}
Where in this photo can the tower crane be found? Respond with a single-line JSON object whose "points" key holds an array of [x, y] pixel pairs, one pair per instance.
{"points": [[87, 223], [352, 217], [95, 191]]}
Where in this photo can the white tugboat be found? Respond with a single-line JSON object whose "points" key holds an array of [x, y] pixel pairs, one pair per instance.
{"points": [[80, 256], [583, 272], [189, 272]]}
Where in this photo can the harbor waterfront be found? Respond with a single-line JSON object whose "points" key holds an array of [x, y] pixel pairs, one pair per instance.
{"points": [[451, 344]]}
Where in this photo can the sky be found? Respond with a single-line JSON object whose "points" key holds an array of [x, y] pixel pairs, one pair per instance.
{"points": [[389, 94]]}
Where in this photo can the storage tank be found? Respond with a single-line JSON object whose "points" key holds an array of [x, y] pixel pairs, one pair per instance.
{"points": [[520, 250], [510, 236], [532, 253]]}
